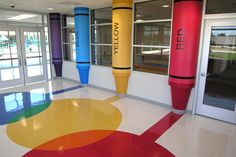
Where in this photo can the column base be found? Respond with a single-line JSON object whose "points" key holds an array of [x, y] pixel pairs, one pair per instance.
{"points": [[121, 95], [121, 80], [84, 85], [58, 69], [83, 70], [179, 112]]}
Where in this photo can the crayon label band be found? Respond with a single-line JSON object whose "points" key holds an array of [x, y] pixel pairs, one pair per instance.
{"points": [[116, 38], [83, 62], [126, 8], [183, 77], [186, 0], [57, 58], [55, 18], [180, 39], [81, 14], [122, 68]]}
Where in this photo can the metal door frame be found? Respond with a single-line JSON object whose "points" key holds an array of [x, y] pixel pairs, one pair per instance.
{"points": [[210, 111], [16, 82], [28, 80], [21, 55]]}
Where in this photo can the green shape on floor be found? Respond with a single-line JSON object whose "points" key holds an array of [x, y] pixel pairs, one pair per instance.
{"points": [[30, 112]]}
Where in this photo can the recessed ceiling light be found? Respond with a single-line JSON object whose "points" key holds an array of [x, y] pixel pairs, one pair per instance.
{"points": [[51, 9], [21, 17], [139, 20], [71, 24], [165, 6]]}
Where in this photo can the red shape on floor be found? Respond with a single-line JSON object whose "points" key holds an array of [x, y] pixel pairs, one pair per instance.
{"points": [[160, 127], [118, 144], [75, 140]]}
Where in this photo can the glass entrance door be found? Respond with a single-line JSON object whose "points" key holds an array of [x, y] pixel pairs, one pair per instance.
{"points": [[33, 56], [22, 56], [217, 91], [11, 70]]}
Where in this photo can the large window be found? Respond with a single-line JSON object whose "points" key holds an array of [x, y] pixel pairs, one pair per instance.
{"points": [[68, 34], [101, 33], [220, 6], [152, 29]]}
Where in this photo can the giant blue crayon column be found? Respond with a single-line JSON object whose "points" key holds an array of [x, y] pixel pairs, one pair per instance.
{"points": [[55, 29], [82, 43]]}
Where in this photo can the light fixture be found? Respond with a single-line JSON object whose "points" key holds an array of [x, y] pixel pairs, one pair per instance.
{"points": [[165, 6], [71, 24], [50, 9], [139, 20], [21, 17]]}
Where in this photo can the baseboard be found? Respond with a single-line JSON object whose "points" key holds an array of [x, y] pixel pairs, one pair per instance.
{"points": [[130, 96]]}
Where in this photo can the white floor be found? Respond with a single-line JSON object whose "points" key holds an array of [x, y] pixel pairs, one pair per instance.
{"points": [[191, 136]]}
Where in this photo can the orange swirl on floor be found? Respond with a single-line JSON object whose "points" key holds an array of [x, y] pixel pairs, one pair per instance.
{"points": [[75, 139]]}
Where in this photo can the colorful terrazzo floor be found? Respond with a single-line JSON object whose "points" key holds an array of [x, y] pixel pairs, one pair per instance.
{"points": [[61, 118]]}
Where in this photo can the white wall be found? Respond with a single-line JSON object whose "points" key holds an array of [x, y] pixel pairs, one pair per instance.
{"points": [[144, 85], [69, 70]]}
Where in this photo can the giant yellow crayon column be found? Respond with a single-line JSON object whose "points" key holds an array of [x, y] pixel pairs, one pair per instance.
{"points": [[121, 43]]}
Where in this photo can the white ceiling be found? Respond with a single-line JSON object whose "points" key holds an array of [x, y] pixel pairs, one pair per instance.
{"points": [[67, 6], [62, 6]]}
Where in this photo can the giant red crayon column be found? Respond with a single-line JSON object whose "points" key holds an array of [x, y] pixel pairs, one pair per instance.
{"points": [[55, 29], [186, 29]]}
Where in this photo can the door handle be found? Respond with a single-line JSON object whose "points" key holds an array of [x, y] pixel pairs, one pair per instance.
{"points": [[25, 62], [205, 75]]}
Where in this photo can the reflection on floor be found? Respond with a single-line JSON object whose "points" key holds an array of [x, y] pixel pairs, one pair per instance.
{"points": [[21, 105], [63, 119]]}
